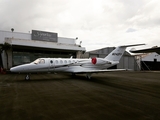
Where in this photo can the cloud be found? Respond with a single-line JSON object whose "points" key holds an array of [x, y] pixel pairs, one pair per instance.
{"points": [[131, 30], [147, 15], [98, 23]]}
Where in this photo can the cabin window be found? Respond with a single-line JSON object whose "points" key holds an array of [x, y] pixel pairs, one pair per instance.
{"points": [[51, 61], [65, 62], [61, 61]]}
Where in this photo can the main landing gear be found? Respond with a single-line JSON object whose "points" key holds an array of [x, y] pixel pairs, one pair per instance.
{"points": [[88, 75], [73, 74]]}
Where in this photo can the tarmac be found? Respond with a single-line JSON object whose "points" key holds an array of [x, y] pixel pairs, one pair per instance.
{"points": [[113, 96]]}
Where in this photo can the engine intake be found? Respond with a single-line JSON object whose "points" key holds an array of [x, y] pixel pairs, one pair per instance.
{"points": [[99, 61], [94, 60]]}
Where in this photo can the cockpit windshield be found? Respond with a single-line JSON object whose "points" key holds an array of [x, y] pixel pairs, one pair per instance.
{"points": [[36, 61], [39, 61]]}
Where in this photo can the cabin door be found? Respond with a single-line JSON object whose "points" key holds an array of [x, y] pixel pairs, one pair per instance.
{"points": [[51, 65]]}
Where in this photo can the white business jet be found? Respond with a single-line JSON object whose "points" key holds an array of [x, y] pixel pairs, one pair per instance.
{"points": [[74, 66]]}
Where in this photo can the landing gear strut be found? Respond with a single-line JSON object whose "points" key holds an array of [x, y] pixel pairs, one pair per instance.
{"points": [[73, 74], [27, 77], [88, 75]]}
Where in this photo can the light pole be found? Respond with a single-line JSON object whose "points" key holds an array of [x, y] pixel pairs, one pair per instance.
{"points": [[12, 29]]}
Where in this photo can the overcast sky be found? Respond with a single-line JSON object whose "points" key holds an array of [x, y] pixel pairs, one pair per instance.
{"points": [[97, 23]]}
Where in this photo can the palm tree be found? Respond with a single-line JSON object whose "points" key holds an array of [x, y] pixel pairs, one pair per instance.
{"points": [[5, 47]]}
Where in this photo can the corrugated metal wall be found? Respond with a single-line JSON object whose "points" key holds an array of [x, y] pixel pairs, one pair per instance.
{"points": [[7, 34]]}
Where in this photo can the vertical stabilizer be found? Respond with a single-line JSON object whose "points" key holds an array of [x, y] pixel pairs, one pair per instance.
{"points": [[117, 53]]}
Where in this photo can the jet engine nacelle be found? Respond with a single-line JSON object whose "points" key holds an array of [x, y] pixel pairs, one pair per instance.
{"points": [[99, 61]]}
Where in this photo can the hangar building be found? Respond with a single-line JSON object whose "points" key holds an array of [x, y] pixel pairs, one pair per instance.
{"points": [[127, 61], [19, 48], [149, 58], [149, 61]]}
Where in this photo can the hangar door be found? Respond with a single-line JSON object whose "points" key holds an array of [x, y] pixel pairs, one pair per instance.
{"points": [[127, 62], [149, 65]]}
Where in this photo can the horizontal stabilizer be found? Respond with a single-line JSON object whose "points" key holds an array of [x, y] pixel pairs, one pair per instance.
{"points": [[132, 45]]}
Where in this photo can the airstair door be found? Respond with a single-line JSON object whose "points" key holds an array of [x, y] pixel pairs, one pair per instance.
{"points": [[51, 65]]}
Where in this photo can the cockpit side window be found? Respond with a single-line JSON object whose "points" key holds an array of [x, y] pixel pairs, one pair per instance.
{"points": [[39, 61], [42, 61]]}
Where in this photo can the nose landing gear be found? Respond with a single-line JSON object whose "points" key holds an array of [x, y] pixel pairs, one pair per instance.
{"points": [[27, 77]]}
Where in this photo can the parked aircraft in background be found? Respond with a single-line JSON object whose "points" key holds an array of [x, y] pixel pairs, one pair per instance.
{"points": [[148, 50], [74, 66]]}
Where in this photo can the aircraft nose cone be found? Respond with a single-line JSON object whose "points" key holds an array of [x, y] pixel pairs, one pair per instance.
{"points": [[17, 69], [14, 69], [11, 70], [21, 68]]}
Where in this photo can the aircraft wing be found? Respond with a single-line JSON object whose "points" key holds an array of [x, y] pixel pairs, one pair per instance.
{"points": [[98, 71], [155, 49]]}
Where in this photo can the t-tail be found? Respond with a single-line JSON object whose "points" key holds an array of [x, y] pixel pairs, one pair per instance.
{"points": [[117, 53]]}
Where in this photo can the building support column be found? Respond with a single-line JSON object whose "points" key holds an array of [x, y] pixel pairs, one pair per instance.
{"points": [[9, 58], [4, 59], [79, 54]]}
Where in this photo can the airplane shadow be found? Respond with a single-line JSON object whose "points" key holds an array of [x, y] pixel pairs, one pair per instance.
{"points": [[105, 81], [66, 77], [97, 80]]}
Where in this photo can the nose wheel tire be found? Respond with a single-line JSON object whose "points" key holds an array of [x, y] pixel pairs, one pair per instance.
{"points": [[27, 77]]}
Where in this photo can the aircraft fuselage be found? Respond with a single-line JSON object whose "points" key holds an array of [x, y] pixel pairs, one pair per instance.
{"points": [[62, 65]]}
